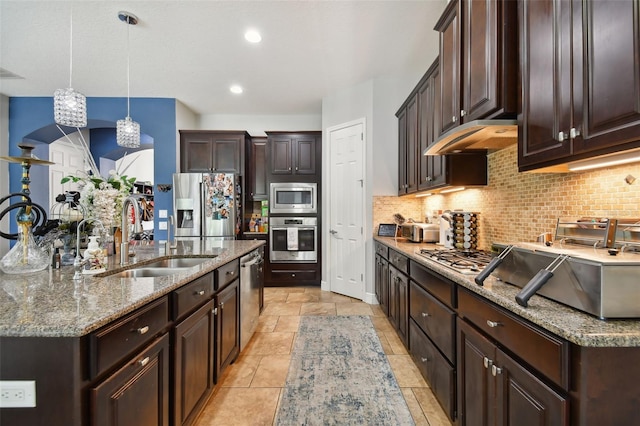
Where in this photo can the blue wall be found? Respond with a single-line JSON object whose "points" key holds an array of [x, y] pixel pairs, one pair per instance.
{"points": [[31, 120]]}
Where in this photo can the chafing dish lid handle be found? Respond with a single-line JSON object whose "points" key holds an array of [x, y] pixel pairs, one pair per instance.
{"points": [[533, 286], [479, 279]]}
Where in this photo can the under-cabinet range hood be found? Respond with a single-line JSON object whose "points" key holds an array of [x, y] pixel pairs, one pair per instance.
{"points": [[475, 135]]}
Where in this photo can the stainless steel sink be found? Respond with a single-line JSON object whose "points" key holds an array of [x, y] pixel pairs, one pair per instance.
{"points": [[178, 262], [159, 268], [148, 272]]}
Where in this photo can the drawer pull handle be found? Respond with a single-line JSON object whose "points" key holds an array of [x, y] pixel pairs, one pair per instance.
{"points": [[293, 275], [143, 362], [424, 315], [200, 293], [221, 305], [423, 359], [487, 362], [495, 370], [143, 330], [231, 272], [493, 324]]}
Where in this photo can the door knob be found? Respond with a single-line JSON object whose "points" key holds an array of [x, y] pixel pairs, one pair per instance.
{"points": [[333, 232]]}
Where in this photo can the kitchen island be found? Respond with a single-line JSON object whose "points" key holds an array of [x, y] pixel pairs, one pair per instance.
{"points": [[485, 356], [99, 348]]}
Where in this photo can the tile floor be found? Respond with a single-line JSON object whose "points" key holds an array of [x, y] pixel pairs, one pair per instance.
{"points": [[250, 389]]}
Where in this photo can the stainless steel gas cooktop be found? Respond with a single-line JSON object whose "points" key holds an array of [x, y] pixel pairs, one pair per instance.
{"points": [[469, 262]]}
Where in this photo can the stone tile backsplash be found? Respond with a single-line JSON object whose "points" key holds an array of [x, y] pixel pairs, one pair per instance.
{"points": [[520, 206]]}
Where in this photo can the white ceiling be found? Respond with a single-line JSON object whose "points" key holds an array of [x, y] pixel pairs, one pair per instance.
{"points": [[194, 50]]}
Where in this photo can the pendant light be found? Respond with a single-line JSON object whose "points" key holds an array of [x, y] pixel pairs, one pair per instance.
{"points": [[127, 130], [69, 106]]}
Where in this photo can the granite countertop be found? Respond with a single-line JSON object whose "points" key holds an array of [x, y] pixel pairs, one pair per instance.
{"points": [[51, 304], [575, 326]]}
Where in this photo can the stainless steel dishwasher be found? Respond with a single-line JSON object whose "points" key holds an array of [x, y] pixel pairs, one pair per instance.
{"points": [[251, 281]]}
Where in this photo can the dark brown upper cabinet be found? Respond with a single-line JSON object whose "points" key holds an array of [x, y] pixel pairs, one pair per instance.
{"points": [[580, 71], [294, 153], [212, 151], [431, 168], [408, 139], [478, 62], [257, 188]]}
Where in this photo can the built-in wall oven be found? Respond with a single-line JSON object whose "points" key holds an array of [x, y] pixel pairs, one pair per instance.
{"points": [[293, 198], [293, 239]]}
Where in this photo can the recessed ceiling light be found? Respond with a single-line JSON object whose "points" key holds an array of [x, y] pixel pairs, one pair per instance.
{"points": [[252, 36], [236, 89]]}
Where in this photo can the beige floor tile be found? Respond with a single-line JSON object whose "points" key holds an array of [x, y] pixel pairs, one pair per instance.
{"points": [[276, 343], [396, 344], [282, 309], [241, 406], [272, 371], [327, 296], [318, 309], [377, 311], [288, 323], [266, 323], [386, 347], [382, 324], [414, 407], [406, 372], [242, 371], [302, 298], [359, 308], [430, 407], [275, 297]]}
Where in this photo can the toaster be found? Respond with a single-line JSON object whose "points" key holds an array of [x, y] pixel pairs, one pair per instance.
{"points": [[421, 232]]}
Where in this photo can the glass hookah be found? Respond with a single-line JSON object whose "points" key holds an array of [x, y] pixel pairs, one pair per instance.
{"points": [[25, 256]]}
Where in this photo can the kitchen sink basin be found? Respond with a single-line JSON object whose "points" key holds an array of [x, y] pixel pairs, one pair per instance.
{"points": [[160, 268], [177, 262]]}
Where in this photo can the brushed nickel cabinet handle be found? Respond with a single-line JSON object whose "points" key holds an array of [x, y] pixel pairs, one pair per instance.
{"points": [[143, 330], [143, 362], [200, 293], [493, 324], [424, 315], [423, 359]]}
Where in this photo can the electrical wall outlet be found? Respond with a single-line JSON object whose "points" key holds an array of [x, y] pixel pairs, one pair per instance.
{"points": [[162, 214], [17, 393], [162, 225]]}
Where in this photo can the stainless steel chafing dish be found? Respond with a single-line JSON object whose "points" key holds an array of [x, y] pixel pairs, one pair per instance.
{"points": [[595, 272]]}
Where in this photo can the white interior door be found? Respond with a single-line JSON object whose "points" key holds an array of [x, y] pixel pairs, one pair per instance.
{"points": [[68, 161], [346, 210]]}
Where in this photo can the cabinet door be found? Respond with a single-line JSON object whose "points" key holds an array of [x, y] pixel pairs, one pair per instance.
{"points": [[227, 327], [304, 155], [226, 154], [523, 400], [257, 172], [606, 74], [412, 145], [382, 281], [476, 387], [196, 153], [281, 160], [402, 151], [394, 279], [449, 97], [545, 65], [138, 393], [403, 309], [193, 363]]}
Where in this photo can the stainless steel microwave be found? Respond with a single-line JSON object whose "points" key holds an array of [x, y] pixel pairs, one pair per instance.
{"points": [[293, 197]]}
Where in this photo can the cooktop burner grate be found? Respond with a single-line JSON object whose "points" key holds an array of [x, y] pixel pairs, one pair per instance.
{"points": [[463, 261]]}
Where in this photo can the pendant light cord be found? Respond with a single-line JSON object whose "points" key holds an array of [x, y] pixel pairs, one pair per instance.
{"points": [[71, 45], [128, 61]]}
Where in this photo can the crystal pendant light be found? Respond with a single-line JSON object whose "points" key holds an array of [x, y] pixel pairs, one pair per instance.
{"points": [[127, 130], [69, 106]]}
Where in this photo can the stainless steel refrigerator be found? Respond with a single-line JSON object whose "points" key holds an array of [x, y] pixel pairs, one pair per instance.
{"points": [[206, 205]]}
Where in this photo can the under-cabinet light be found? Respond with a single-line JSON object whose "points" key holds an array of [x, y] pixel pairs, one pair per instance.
{"points": [[446, 191], [610, 160], [428, 194]]}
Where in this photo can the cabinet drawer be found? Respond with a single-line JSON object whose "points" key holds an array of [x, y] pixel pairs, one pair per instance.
{"points": [[112, 343], [543, 351], [399, 261], [435, 284], [382, 250], [226, 273], [434, 368], [435, 319], [293, 275], [188, 297]]}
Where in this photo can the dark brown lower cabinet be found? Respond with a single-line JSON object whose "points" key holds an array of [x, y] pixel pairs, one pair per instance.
{"points": [[382, 283], [398, 299], [495, 389], [227, 305], [193, 363], [138, 393]]}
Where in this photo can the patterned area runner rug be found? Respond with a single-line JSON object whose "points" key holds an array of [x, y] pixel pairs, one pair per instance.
{"points": [[339, 375]]}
